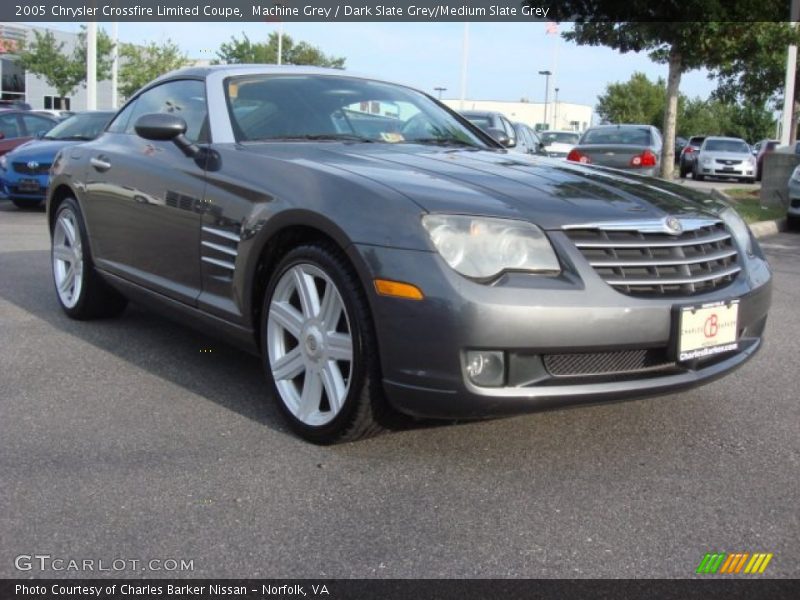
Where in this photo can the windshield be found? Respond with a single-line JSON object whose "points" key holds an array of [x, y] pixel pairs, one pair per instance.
{"points": [[559, 137], [302, 107], [482, 122], [726, 146], [85, 126], [626, 136]]}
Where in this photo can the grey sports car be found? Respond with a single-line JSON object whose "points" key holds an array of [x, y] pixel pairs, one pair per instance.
{"points": [[382, 254]]}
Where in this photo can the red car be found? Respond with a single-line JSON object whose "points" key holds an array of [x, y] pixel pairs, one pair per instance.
{"points": [[18, 126]]}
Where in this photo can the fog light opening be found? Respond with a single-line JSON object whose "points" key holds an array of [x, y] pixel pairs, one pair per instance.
{"points": [[486, 368]]}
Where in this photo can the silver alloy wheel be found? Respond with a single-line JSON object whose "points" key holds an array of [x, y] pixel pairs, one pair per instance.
{"points": [[309, 344], [67, 258]]}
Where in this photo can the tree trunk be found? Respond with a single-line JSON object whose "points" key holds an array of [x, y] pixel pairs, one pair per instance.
{"points": [[671, 114]]}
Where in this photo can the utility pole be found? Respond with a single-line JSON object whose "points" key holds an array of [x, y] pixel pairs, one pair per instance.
{"points": [[91, 66], [555, 112], [440, 90], [115, 64], [280, 43], [787, 121]]}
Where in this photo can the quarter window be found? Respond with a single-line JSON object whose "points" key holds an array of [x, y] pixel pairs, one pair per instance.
{"points": [[185, 98]]}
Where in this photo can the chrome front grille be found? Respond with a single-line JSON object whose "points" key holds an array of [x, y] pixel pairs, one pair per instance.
{"points": [[642, 259], [32, 168]]}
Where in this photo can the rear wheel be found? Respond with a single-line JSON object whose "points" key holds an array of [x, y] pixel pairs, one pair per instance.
{"points": [[319, 348], [24, 203], [81, 292], [793, 222], [697, 177]]}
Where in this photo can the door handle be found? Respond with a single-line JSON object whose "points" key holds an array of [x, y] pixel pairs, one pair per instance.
{"points": [[99, 163]]}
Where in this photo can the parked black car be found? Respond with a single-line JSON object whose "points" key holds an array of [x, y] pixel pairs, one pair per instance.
{"points": [[380, 259], [495, 124], [528, 141]]}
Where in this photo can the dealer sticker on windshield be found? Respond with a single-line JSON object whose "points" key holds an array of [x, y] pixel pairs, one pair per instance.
{"points": [[707, 329]]}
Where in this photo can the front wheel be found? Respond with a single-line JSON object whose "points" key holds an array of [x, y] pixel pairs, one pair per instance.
{"points": [[81, 292], [319, 347]]}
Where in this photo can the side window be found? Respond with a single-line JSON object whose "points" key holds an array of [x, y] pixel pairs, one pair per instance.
{"points": [[509, 128], [9, 126], [185, 98], [37, 125], [120, 122]]}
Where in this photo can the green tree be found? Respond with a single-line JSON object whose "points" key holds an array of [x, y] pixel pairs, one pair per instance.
{"points": [[141, 64], [637, 100], [683, 46], [243, 51], [44, 56]]}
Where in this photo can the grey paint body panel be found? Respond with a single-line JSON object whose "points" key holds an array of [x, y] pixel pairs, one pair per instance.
{"points": [[173, 234]]}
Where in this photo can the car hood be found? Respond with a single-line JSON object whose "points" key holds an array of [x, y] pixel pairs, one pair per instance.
{"points": [[548, 192], [39, 150], [726, 155]]}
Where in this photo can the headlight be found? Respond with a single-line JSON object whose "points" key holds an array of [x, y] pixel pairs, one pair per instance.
{"points": [[739, 229], [706, 160], [795, 173], [482, 247], [3, 162]]}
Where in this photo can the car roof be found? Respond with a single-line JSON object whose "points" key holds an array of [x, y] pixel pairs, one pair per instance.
{"points": [[622, 126], [714, 138]]}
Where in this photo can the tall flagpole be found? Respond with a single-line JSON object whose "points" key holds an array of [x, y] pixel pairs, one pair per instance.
{"points": [[464, 55]]}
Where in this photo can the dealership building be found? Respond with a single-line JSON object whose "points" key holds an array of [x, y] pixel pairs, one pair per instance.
{"points": [[560, 115], [30, 88]]}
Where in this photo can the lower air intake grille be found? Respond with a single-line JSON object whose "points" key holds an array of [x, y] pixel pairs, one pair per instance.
{"points": [[639, 259], [603, 363]]}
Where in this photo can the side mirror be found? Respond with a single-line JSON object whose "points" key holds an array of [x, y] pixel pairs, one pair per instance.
{"points": [[500, 137], [164, 127]]}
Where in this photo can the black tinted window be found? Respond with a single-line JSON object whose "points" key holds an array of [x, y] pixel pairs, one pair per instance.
{"points": [[37, 125], [184, 98], [9, 126]]}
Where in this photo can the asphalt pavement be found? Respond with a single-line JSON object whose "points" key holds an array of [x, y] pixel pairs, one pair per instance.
{"points": [[138, 439]]}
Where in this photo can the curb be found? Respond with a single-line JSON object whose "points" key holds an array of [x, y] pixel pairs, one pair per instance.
{"points": [[764, 228], [760, 229]]}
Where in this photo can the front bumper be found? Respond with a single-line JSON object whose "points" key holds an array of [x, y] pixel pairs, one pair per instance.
{"points": [[743, 171], [422, 343], [10, 187]]}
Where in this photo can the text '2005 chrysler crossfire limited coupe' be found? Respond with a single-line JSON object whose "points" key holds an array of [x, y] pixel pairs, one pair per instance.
{"points": [[383, 254]]}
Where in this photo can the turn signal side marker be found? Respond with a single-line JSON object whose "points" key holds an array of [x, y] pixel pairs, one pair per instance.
{"points": [[385, 287]]}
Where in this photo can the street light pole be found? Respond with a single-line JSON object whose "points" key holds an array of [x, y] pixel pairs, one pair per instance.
{"points": [[115, 64], [440, 90], [464, 55], [546, 94], [555, 111]]}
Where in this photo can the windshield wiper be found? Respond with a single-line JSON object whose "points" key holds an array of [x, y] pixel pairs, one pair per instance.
{"points": [[345, 137], [442, 142]]}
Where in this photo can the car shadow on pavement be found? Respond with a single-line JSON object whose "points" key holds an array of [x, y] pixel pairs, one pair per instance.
{"points": [[199, 363]]}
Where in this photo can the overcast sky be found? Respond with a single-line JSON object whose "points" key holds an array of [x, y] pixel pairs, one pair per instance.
{"points": [[504, 58]]}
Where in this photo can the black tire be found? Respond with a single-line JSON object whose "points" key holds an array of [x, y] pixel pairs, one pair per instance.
{"points": [[23, 203], [96, 298], [364, 411], [793, 223], [697, 177], [684, 172], [749, 180]]}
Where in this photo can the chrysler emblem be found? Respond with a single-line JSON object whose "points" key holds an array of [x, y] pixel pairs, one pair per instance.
{"points": [[673, 225], [33, 165]]}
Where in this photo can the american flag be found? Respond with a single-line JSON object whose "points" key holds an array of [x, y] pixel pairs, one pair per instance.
{"points": [[552, 28]]}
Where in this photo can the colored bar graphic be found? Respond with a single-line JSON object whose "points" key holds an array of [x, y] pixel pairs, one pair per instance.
{"points": [[729, 563]]}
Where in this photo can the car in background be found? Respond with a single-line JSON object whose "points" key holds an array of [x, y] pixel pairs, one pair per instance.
{"points": [[760, 150], [420, 271], [686, 161], [25, 171], [528, 141], [725, 157], [57, 114], [14, 105], [631, 147], [680, 144], [19, 126], [793, 211], [495, 124], [557, 144]]}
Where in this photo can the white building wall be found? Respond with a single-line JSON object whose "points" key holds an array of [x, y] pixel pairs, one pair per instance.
{"points": [[564, 115]]}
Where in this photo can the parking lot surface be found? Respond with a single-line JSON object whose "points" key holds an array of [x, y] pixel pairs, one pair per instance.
{"points": [[139, 439]]}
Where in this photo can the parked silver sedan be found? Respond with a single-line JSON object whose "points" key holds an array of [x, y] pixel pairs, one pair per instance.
{"points": [[634, 147], [725, 157]]}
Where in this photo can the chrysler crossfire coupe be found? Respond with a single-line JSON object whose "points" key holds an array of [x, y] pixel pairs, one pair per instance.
{"points": [[384, 255]]}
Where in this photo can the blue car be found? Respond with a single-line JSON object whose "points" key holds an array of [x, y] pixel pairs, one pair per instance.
{"points": [[25, 171]]}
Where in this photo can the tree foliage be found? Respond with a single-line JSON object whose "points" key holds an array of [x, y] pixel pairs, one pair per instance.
{"points": [[640, 100], [239, 51], [140, 65], [44, 56]]}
